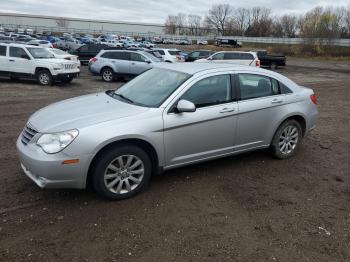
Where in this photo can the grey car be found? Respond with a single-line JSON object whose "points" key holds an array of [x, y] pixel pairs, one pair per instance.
{"points": [[119, 63], [170, 116]]}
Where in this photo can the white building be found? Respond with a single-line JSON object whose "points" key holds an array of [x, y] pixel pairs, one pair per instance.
{"points": [[76, 25]]}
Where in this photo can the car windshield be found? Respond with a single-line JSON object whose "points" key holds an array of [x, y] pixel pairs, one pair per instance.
{"points": [[151, 88], [40, 52], [151, 57]]}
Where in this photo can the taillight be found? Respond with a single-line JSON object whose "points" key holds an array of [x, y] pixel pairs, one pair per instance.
{"points": [[313, 98], [178, 57], [94, 59], [67, 58], [257, 63]]}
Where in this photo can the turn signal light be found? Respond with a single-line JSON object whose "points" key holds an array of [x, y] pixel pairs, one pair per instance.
{"points": [[70, 161]]}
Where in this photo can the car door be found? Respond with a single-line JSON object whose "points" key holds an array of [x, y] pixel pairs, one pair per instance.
{"points": [[3, 59], [138, 63], [261, 107], [121, 62], [19, 60], [207, 132]]}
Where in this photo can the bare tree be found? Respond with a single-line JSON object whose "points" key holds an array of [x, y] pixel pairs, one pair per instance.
{"points": [[242, 18], [194, 24], [170, 25], [217, 17], [289, 25], [261, 22]]}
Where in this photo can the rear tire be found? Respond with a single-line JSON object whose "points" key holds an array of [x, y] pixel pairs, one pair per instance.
{"points": [[287, 139], [44, 77], [107, 74], [121, 172]]}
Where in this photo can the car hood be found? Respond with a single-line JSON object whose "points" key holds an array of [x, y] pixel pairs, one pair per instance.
{"points": [[80, 112], [52, 60]]}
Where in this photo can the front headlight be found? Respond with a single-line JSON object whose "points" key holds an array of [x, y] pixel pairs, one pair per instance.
{"points": [[55, 142], [58, 67]]}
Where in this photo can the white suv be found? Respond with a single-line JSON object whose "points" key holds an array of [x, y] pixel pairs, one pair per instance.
{"points": [[234, 57], [26, 61], [170, 55]]}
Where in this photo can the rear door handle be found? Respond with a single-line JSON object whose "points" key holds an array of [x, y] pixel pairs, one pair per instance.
{"points": [[276, 101], [227, 109], [11, 60]]}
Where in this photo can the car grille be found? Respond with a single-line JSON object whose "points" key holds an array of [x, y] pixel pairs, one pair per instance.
{"points": [[27, 134], [69, 66]]}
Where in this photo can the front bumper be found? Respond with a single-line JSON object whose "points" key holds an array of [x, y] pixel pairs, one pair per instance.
{"points": [[47, 170], [65, 76]]}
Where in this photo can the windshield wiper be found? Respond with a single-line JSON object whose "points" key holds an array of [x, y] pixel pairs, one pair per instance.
{"points": [[125, 98], [113, 94]]}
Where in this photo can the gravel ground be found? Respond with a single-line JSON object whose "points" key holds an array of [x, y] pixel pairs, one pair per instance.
{"points": [[250, 207]]}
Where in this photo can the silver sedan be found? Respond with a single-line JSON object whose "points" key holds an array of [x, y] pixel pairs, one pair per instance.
{"points": [[170, 116]]}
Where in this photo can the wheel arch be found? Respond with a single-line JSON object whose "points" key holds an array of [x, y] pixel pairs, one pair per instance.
{"points": [[143, 144], [40, 68], [297, 117], [107, 66]]}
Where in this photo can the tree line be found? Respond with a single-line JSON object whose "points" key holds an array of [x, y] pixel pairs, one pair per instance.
{"points": [[225, 20]]}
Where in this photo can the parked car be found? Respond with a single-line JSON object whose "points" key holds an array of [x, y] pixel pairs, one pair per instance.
{"points": [[120, 63], [58, 53], [170, 116], [224, 42], [202, 42], [41, 43], [147, 44], [113, 43], [170, 55], [154, 53], [234, 57], [26, 61], [272, 61], [199, 54], [86, 52]]}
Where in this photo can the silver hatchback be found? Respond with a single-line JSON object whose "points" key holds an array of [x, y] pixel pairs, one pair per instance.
{"points": [[121, 63], [170, 116]]}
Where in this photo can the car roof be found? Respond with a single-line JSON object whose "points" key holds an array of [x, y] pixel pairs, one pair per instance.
{"points": [[21, 45], [194, 68]]}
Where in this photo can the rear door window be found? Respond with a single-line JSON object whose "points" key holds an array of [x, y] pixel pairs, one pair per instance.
{"points": [[232, 56], [246, 56], [161, 52], [121, 55], [2, 50], [254, 86], [17, 52], [174, 52]]}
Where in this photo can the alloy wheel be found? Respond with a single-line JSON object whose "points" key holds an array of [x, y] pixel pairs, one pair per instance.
{"points": [[124, 174], [44, 79], [288, 139], [107, 75]]}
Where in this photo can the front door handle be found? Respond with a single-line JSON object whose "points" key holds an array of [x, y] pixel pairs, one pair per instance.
{"points": [[227, 109], [276, 101], [133, 63], [11, 60]]}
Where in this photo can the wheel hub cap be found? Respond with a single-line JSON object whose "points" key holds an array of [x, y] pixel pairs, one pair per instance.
{"points": [[288, 139]]}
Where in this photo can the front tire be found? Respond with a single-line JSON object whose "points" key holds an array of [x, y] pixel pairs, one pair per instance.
{"points": [[287, 139], [44, 78], [107, 74], [121, 172]]}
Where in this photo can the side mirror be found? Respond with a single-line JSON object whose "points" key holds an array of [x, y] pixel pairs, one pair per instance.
{"points": [[147, 61], [185, 106]]}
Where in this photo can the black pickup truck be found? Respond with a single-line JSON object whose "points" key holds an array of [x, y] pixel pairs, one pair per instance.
{"points": [[272, 61]]}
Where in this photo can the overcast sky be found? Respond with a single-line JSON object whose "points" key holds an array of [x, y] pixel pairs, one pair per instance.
{"points": [[151, 11]]}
